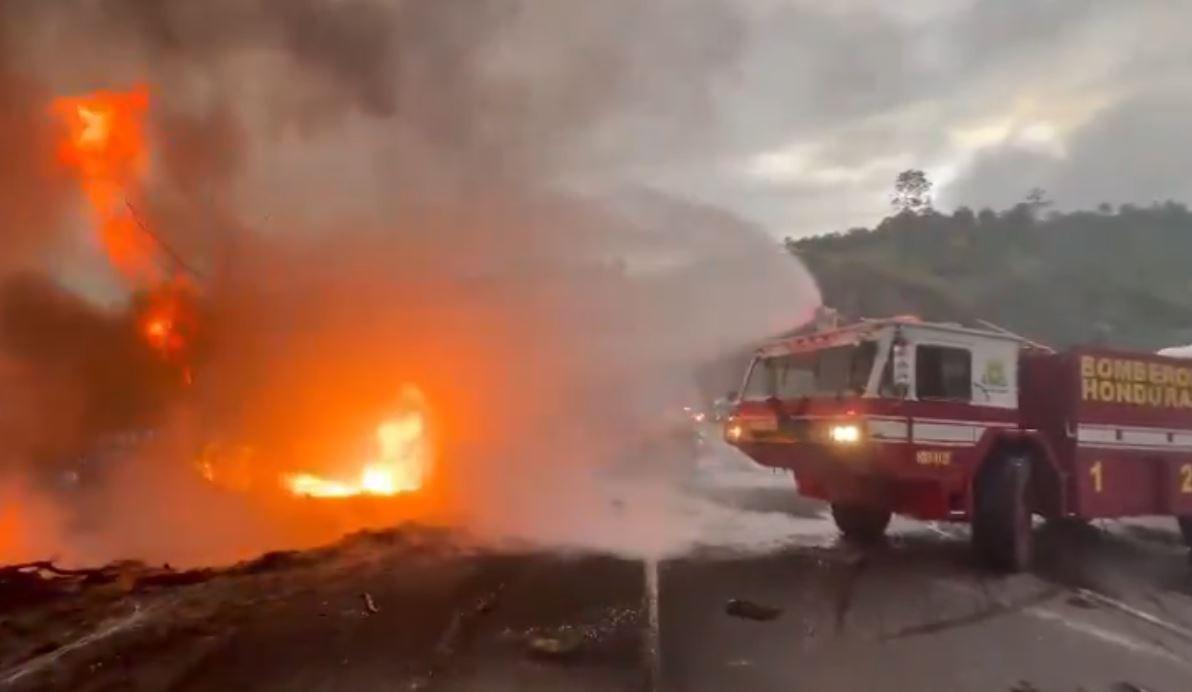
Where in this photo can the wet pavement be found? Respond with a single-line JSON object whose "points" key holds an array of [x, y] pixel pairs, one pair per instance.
{"points": [[913, 616], [1109, 607]]}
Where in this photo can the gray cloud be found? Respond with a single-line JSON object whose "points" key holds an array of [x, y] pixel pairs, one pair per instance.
{"points": [[1001, 179], [816, 67], [1134, 152], [856, 87]]}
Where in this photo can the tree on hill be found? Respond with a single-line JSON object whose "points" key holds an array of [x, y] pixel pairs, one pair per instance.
{"points": [[912, 192], [1036, 198], [1035, 204]]}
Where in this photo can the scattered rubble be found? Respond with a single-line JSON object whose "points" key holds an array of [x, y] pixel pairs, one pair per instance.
{"points": [[59, 623], [749, 610], [272, 561], [565, 643], [461, 626], [370, 607], [33, 583]]}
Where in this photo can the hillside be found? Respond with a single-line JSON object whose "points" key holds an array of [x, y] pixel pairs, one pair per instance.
{"points": [[1121, 277]]}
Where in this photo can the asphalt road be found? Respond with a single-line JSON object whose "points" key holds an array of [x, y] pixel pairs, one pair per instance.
{"points": [[914, 616], [1108, 608]]}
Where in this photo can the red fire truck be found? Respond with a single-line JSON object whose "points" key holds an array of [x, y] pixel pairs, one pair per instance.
{"points": [[947, 422]]}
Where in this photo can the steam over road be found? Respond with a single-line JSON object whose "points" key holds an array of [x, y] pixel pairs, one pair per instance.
{"points": [[1108, 608]]}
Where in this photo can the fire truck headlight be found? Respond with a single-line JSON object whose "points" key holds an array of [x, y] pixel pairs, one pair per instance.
{"points": [[845, 434], [734, 432]]}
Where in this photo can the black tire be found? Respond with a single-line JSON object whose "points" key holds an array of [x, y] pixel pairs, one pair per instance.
{"points": [[1002, 513], [861, 524], [1186, 529]]}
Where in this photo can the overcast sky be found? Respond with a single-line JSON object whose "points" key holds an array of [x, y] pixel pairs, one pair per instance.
{"points": [[827, 100], [794, 114]]}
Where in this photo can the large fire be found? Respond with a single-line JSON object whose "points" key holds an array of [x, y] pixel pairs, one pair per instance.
{"points": [[168, 323], [401, 464], [104, 145], [361, 447]]}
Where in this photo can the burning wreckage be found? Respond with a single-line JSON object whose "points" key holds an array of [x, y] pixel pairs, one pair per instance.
{"points": [[123, 373], [341, 456], [104, 146]]}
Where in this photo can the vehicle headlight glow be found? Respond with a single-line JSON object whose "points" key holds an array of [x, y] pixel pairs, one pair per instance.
{"points": [[845, 434], [734, 432]]}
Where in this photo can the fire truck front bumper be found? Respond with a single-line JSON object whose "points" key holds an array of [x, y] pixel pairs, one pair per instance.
{"points": [[815, 445], [851, 461]]}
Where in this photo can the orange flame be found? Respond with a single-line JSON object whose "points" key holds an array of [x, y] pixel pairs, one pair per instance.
{"points": [[104, 145], [402, 463], [166, 320]]}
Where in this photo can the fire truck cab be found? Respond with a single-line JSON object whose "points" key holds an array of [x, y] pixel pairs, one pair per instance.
{"points": [[946, 422]]}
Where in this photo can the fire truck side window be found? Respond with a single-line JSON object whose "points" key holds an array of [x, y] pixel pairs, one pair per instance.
{"points": [[760, 383], [942, 372], [843, 370], [782, 376], [795, 377]]}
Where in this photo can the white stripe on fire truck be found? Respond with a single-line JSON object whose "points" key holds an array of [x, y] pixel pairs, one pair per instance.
{"points": [[935, 431], [946, 432], [887, 429], [958, 421], [961, 433], [1113, 437]]}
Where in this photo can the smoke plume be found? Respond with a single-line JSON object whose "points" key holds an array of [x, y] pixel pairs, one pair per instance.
{"points": [[366, 194]]}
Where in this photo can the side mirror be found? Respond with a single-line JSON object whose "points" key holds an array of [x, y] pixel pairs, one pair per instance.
{"points": [[731, 397]]}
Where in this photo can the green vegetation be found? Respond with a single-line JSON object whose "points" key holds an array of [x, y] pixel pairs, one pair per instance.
{"points": [[1115, 276]]}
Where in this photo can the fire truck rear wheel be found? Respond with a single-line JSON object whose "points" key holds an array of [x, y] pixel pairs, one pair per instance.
{"points": [[1002, 513], [861, 524]]}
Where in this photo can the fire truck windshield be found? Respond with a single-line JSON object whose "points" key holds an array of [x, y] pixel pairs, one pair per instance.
{"points": [[830, 372]]}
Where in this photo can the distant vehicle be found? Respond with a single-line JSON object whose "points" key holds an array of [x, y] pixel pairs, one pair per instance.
{"points": [[945, 422]]}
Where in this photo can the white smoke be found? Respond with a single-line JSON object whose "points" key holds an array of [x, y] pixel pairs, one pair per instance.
{"points": [[378, 192]]}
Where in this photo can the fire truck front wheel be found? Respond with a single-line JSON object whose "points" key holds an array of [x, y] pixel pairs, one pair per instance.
{"points": [[1002, 513], [860, 524]]}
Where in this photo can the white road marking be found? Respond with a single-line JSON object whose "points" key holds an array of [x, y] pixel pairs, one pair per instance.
{"points": [[935, 527], [110, 628], [1084, 627], [1107, 636], [653, 636], [1169, 627]]}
